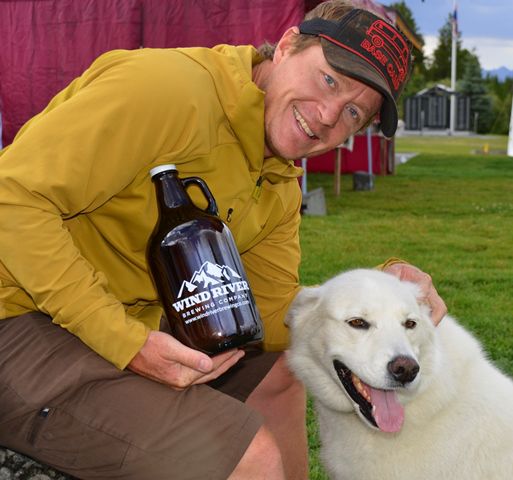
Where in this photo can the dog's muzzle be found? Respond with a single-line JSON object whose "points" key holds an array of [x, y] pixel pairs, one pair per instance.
{"points": [[380, 408]]}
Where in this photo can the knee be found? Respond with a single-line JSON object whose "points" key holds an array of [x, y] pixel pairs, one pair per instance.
{"points": [[264, 446], [262, 459]]}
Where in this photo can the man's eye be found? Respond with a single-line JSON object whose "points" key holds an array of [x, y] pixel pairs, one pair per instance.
{"points": [[329, 80], [353, 113]]}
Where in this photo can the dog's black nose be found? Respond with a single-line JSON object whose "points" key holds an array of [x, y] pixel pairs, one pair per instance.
{"points": [[403, 369]]}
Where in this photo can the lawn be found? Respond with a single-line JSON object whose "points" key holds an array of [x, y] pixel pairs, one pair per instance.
{"points": [[447, 210], [456, 145]]}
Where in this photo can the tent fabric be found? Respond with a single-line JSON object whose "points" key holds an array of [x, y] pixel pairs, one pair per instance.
{"points": [[47, 43], [179, 23]]}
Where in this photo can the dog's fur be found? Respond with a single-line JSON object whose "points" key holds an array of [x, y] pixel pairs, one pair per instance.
{"points": [[458, 409]]}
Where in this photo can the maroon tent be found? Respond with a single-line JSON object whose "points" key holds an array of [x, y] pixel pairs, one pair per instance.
{"points": [[44, 44]]}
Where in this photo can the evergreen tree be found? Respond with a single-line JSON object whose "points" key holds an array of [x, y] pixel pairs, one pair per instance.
{"points": [[440, 64], [501, 94], [473, 85]]}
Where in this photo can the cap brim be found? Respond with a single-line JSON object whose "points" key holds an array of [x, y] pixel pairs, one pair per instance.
{"points": [[351, 65]]}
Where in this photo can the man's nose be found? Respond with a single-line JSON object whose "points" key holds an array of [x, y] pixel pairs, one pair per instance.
{"points": [[329, 113]]}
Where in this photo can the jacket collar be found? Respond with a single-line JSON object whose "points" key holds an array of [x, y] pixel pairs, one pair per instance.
{"points": [[247, 119]]}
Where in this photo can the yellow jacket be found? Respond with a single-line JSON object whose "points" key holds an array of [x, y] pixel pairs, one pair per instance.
{"points": [[77, 204]]}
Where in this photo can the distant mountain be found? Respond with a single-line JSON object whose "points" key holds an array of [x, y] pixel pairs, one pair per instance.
{"points": [[501, 73]]}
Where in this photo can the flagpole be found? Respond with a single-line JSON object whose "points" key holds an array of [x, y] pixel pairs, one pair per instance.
{"points": [[510, 138], [453, 71]]}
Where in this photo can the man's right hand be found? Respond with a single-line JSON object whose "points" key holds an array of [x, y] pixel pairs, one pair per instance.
{"points": [[164, 359]]}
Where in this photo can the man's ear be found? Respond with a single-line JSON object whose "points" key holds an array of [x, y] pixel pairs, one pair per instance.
{"points": [[284, 43], [302, 306]]}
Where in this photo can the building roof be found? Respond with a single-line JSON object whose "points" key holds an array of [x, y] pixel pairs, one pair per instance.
{"points": [[439, 88]]}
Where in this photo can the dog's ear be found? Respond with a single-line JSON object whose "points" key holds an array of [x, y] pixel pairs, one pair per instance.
{"points": [[302, 306]]}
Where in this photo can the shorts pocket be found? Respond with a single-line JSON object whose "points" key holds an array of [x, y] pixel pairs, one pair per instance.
{"points": [[12, 416], [63, 441], [12, 405]]}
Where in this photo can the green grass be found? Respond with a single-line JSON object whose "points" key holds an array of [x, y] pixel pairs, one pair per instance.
{"points": [[448, 211], [460, 145]]}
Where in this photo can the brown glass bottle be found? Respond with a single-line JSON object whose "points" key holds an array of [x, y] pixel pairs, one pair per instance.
{"points": [[197, 269]]}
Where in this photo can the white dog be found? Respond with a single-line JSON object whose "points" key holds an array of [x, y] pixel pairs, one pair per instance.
{"points": [[396, 397]]}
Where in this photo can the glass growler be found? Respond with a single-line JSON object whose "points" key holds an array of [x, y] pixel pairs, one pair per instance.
{"points": [[197, 270]]}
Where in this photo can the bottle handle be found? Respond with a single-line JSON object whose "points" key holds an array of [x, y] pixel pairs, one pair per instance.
{"points": [[199, 182]]}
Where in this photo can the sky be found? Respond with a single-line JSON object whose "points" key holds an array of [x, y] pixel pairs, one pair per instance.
{"points": [[486, 25]]}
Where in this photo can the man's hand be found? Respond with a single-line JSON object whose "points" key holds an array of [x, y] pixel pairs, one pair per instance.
{"points": [[166, 360], [429, 294]]}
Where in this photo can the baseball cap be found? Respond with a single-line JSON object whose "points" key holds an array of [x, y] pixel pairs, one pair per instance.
{"points": [[363, 46]]}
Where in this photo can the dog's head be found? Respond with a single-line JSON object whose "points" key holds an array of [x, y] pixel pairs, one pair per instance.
{"points": [[362, 341]]}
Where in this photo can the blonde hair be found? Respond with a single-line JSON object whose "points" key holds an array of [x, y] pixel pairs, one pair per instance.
{"points": [[329, 10]]}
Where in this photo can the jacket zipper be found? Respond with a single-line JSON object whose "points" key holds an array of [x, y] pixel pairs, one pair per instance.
{"points": [[255, 196]]}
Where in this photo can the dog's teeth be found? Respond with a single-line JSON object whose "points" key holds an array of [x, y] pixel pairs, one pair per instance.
{"points": [[358, 384], [360, 387]]}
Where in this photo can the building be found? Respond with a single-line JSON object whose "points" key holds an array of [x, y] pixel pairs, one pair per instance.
{"points": [[430, 109]]}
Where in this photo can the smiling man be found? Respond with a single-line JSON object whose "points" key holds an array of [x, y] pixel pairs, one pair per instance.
{"points": [[91, 380], [331, 78], [310, 107]]}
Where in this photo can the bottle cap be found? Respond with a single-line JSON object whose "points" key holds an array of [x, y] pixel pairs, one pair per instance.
{"points": [[162, 168]]}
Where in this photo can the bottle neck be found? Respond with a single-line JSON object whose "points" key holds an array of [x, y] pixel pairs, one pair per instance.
{"points": [[170, 191]]}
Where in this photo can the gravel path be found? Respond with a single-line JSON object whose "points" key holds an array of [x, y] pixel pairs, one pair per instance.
{"points": [[14, 466]]}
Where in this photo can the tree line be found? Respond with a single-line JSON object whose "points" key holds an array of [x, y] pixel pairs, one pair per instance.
{"points": [[490, 98]]}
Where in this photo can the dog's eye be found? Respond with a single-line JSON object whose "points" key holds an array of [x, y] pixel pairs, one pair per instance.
{"points": [[410, 324], [358, 323]]}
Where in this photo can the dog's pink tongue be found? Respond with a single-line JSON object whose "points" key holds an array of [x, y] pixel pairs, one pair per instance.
{"points": [[388, 412]]}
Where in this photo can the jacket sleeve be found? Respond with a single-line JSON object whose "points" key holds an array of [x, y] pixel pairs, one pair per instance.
{"points": [[390, 261], [88, 144], [273, 271]]}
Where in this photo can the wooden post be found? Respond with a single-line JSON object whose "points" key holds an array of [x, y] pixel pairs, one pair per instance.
{"points": [[338, 170]]}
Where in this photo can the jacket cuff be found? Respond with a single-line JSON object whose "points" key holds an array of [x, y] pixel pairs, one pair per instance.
{"points": [[116, 340], [390, 261]]}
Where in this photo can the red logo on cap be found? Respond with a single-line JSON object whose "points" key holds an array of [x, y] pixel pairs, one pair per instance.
{"points": [[390, 49]]}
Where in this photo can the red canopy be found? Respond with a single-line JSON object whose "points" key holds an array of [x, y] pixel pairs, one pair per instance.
{"points": [[47, 43]]}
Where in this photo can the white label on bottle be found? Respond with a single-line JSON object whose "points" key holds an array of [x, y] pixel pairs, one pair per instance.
{"points": [[212, 289]]}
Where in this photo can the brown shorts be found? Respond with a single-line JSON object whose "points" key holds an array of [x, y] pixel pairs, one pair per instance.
{"points": [[65, 406]]}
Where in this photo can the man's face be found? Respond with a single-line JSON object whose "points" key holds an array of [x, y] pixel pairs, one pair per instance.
{"points": [[311, 108]]}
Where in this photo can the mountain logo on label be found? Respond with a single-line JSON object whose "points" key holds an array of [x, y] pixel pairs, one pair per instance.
{"points": [[210, 274]]}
